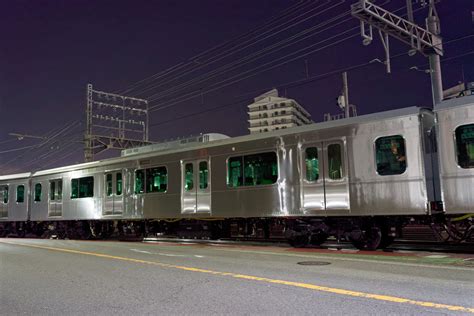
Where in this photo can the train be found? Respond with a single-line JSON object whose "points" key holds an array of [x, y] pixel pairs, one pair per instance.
{"points": [[359, 179]]}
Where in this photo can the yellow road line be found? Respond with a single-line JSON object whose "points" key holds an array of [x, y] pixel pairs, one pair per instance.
{"points": [[386, 298]]}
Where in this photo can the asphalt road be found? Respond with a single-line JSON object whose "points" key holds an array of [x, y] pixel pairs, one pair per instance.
{"points": [[63, 277]]}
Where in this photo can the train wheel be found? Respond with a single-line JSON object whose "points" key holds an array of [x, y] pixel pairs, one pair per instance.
{"points": [[299, 241], [369, 239], [318, 239]]}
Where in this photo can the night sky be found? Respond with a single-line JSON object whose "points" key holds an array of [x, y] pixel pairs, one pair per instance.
{"points": [[50, 50]]}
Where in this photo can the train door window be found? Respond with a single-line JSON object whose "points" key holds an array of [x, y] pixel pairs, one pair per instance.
{"points": [[312, 164], [52, 190], [465, 146], [59, 195], [234, 172], [260, 169], [139, 181], [108, 184], [203, 175], [156, 179], [118, 183], [56, 190], [4, 190], [37, 197], [390, 155], [335, 161], [20, 193], [188, 177], [82, 187]]}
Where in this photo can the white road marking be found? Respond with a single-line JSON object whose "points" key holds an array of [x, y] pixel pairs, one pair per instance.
{"points": [[436, 256], [141, 251], [164, 254], [397, 263]]}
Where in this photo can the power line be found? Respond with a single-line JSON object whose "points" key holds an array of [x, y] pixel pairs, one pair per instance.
{"points": [[305, 81], [191, 61], [255, 56]]}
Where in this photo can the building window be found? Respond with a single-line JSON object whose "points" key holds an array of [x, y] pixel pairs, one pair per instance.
{"points": [[465, 146], [312, 164], [390, 155], [188, 177], [118, 183], [20, 193], [82, 187], [108, 184], [335, 161], [203, 175], [37, 197], [251, 170]]}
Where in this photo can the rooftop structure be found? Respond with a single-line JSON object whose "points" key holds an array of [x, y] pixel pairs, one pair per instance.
{"points": [[271, 112]]}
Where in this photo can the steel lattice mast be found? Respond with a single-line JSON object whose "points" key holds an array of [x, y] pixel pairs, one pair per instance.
{"points": [[425, 41]]}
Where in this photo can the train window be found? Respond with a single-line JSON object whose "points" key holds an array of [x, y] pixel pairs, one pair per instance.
{"points": [[37, 192], [312, 164], [156, 179], [74, 188], [59, 191], [4, 191], [260, 169], [465, 146], [139, 181], [390, 155], [118, 183], [20, 193], [188, 177], [250, 170], [335, 161], [203, 175], [82, 187], [234, 172], [108, 184], [52, 190]]}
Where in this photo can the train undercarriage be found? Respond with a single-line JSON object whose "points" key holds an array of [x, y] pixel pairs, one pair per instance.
{"points": [[366, 233]]}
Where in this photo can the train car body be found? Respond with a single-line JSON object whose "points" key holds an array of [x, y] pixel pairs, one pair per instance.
{"points": [[359, 178], [456, 146]]}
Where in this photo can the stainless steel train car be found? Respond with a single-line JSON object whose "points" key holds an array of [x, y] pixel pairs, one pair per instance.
{"points": [[359, 179]]}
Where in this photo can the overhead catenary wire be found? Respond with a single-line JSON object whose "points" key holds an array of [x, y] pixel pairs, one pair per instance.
{"points": [[305, 81], [197, 65], [271, 49], [257, 70], [191, 61]]}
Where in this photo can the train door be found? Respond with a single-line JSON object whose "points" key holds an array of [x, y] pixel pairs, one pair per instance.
{"points": [[4, 201], [55, 201], [325, 185], [336, 180], [196, 187], [113, 198], [313, 200]]}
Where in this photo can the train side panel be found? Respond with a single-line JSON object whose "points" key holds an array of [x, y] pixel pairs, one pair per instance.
{"points": [[456, 146]]}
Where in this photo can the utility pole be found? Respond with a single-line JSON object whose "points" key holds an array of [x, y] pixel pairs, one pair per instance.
{"points": [[345, 93], [425, 41]]}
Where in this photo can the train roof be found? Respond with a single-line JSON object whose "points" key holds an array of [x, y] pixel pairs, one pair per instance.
{"points": [[456, 102], [16, 176], [409, 111]]}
